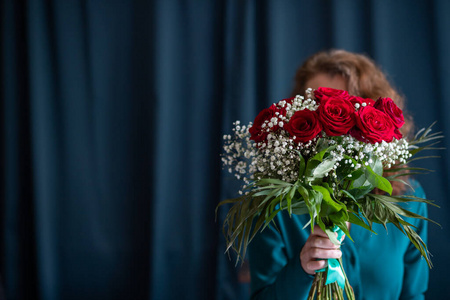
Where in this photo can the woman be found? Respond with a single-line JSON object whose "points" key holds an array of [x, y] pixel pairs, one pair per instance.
{"points": [[384, 266]]}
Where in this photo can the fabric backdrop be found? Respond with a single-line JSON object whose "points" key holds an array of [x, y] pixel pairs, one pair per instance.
{"points": [[112, 115]]}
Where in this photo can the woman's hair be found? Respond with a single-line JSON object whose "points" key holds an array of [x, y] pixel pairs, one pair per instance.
{"points": [[364, 79]]}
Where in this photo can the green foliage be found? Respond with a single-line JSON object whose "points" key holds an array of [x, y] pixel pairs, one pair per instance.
{"points": [[329, 200]]}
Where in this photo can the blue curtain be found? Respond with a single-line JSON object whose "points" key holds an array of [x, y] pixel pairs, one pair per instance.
{"points": [[112, 115]]}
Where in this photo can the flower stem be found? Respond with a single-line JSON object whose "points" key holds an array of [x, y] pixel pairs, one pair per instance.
{"points": [[312, 291], [320, 288], [322, 291], [330, 292], [348, 289]]}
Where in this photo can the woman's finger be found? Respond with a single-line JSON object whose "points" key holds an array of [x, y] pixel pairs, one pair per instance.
{"points": [[316, 264], [322, 242], [319, 232], [318, 253]]}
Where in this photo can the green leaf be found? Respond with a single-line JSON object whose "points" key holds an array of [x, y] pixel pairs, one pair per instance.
{"points": [[327, 186], [406, 183], [366, 209], [291, 196], [390, 204], [310, 167], [258, 224], [248, 227], [355, 219], [321, 145], [314, 205], [325, 193], [271, 207], [426, 136], [271, 217], [343, 171], [419, 158], [427, 147], [234, 200], [359, 192], [264, 192], [406, 198], [305, 196], [286, 202], [381, 213], [378, 180], [406, 169], [323, 168], [349, 195], [342, 224], [267, 181], [332, 236], [376, 165], [273, 194], [419, 243], [404, 212], [328, 205], [320, 223], [300, 208], [357, 174], [304, 192], [302, 165], [339, 219], [361, 181], [322, 148]]}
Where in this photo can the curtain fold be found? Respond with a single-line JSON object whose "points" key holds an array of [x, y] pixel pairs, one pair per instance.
{"points": [[112, 117]]}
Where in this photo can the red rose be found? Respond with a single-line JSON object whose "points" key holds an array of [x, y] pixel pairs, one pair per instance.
{"points": [[360, 100], [397, 134], [324, 93], [258, 131], [337, 116], [372, 126], [304, 125], [388, 106]]}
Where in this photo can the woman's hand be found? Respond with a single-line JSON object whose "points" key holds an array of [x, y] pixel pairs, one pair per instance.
{"points": [[317, 246]]}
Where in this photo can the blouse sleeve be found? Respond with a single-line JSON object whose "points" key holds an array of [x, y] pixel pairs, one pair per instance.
{"points": [[415, 281], [274, 274]]}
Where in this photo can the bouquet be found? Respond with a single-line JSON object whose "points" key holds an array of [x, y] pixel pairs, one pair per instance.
{"points": [[328, 154]]}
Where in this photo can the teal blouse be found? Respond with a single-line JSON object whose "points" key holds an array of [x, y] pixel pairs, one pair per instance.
{"points": [[382, 266]]}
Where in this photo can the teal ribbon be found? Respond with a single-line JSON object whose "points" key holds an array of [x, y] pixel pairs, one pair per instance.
{"points": [[334, 270]]}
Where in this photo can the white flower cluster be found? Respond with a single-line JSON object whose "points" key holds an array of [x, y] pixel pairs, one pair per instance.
{"points": [[388, 153], [277, 157], [239, 150], [298, 103], [274, 159]]}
